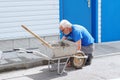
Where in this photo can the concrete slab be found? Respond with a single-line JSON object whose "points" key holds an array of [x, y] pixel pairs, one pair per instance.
{"points": [[3, 62], [106, 48], [105, 68], [115, 79], [9, 55]]}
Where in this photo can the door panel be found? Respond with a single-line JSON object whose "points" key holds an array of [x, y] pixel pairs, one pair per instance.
{"points": [[77, 12], [110, 30]]}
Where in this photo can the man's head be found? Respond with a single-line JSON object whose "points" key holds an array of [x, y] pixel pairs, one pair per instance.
{"points": [[65, 26]]}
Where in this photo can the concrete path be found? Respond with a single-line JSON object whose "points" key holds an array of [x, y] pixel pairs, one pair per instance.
{"points": [[15, 60], [102, 68]]}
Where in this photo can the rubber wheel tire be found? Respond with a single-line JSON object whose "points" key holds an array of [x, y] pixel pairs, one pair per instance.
{"points": [[79, 63]]}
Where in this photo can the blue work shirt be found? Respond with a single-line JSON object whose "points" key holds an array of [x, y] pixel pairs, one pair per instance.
{"points": [[79, 32]]}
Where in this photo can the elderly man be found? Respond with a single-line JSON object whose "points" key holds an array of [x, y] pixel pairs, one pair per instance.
{"points": [[80, 36]]}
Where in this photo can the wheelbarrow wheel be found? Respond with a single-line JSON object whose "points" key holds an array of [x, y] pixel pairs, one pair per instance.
{"points": [[78, 63]]}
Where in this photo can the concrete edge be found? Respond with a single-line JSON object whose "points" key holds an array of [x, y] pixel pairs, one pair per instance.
{"points": [[104, 55], [22, 65]]}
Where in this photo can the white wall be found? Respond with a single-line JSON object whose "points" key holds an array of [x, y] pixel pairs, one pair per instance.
{"points": [[41, 16]]}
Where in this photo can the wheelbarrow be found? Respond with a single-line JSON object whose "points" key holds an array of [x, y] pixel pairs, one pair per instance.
{"points": [[58, 51]]}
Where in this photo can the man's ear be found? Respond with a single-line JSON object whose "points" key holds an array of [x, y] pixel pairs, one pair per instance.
{"points": [[70, 29]]}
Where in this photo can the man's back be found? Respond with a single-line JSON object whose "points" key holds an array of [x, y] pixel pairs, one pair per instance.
{"points": [[80, 32]]}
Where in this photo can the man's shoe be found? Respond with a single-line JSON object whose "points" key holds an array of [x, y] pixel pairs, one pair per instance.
{"points": [[88, 63], [89, 60]]}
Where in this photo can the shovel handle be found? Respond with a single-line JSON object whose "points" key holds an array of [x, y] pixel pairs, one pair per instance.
{"points": [[36, 36]]}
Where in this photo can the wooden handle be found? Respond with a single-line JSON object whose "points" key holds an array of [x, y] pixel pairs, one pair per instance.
{"points": [[36, 36]]}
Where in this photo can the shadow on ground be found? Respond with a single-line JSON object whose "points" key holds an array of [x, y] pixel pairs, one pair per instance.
{"points": [[48, 75]]}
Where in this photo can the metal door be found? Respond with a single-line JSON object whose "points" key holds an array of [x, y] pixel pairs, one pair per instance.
{"points": [[110, 28], [77, 12]]}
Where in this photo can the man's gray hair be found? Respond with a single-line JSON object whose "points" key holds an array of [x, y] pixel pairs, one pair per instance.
{"points": [[65, 23]]}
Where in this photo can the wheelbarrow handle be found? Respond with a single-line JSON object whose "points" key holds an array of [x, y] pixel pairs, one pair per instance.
{"points": [[36, 36]]}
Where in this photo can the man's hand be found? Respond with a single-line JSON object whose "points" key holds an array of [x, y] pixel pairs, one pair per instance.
{"points": [[64, 38], [78, 43]]}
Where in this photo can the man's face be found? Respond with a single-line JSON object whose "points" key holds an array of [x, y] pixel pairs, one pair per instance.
{"points": [[65, 30]]}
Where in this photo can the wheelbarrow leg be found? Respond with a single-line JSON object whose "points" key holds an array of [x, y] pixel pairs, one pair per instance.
{"points": [[64, 67], [57, 66], [51, 65]]}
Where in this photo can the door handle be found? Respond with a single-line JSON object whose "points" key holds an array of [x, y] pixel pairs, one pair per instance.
{"points": [[89, 3]]}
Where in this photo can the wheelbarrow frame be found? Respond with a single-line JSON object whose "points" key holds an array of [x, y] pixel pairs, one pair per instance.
{"points": [[52, 64]]}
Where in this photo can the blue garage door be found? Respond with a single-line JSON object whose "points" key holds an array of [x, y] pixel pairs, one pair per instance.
{"points": [[110, 30], [77, 12]]}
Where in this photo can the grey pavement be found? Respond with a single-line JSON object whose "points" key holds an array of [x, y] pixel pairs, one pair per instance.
{"points": [[102, 68], [107, 48], [13, 60]]}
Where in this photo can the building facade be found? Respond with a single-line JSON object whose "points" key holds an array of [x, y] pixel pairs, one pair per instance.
{"points": [[100, 17]]}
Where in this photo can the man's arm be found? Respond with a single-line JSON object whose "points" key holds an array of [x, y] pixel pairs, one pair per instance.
{"points": [[78, 43]]}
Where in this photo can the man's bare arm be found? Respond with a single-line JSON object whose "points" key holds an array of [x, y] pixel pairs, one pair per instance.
{"points": [[78, 43]]}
